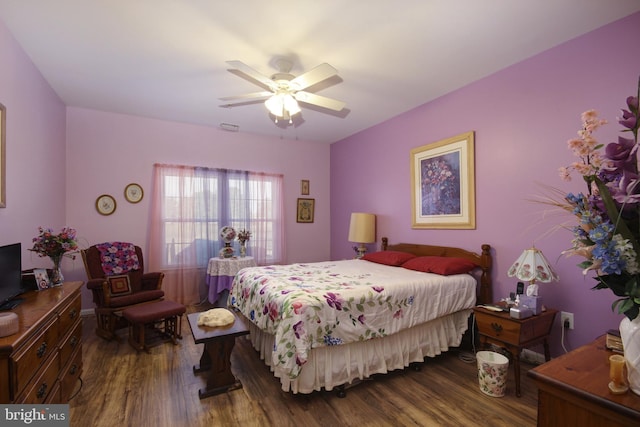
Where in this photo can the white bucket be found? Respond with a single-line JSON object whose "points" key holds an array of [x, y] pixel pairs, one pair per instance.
{"points": [[492, 373]]}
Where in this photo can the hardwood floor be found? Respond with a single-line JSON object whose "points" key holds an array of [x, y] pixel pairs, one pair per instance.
{"points": [[123, 388]]}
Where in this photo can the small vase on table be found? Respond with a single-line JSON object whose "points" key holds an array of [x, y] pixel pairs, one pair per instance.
{"points": [[243, 249], [56, 274]]}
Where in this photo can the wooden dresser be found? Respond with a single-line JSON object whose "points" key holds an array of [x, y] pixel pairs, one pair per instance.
{"points": [[42, 362], [573, 391]]}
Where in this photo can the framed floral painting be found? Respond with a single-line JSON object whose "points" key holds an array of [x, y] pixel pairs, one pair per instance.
{"points": [[443, 184]]}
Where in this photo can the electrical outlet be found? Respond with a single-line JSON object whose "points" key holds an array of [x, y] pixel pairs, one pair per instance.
{"points": [[566, 318]]}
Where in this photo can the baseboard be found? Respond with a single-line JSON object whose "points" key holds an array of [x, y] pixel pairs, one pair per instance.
{"points": [[87, 312]]}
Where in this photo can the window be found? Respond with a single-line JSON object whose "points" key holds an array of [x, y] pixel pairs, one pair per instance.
{"points": [[191, 204]]}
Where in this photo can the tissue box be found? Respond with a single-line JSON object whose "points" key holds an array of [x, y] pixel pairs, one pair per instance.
{"points": [[520, 312], [534, 303]]}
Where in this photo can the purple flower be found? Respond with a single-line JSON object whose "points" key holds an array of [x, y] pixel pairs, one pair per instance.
{"points": [[621, 153], [361, 319], [333, 300], [377, 288], [300, 361], [627, 120], [298, 329]]}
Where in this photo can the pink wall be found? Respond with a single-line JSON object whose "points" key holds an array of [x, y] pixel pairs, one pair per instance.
{"points": [[35, 151], [107, 151], [522, 117]]}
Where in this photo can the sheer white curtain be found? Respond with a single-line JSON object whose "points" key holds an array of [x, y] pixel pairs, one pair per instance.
{"points": [[189, 206]]}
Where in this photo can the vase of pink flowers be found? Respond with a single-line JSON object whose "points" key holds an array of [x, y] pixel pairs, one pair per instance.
{"points": [[55, 246], [243, 237]]}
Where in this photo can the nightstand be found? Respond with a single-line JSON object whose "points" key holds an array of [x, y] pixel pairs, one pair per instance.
{"points": [[499, 328]]}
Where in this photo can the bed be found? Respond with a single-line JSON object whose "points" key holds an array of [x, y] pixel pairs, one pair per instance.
{"points": [[325, 325]]}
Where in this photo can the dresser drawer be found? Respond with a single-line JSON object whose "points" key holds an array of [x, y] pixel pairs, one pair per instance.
{"points": [[54, 396], [43, 384], [69, 315], [70, 344], [28, 361], [70, 376]]}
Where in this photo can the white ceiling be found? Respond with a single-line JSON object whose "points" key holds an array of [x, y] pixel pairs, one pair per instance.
{"points": [[166, 59]]}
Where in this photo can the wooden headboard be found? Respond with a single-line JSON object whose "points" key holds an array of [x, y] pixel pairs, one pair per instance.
{"points": [[484, 261]]}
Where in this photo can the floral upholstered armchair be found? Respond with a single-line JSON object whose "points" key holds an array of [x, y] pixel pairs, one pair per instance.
{"points": [[116, 278]]}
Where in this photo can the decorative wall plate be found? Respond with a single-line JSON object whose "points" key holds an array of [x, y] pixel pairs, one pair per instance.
{"points": [[105, 204], [133, 193]]}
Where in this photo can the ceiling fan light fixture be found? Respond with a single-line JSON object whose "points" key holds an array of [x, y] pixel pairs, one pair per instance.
{"points": [[282, 105]]}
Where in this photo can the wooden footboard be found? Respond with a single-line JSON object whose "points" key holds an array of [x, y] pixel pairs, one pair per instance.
{"points": [[484, 261]]}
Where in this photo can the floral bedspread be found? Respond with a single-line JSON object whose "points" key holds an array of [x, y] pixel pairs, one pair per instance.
{"points": [[333, 303]]}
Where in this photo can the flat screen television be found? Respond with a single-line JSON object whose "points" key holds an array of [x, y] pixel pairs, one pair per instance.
{"points": [[10, 275]]}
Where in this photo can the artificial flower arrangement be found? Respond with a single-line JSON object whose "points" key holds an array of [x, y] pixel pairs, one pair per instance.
{"points": [[608, 231], [244, 236], [55, 245]]}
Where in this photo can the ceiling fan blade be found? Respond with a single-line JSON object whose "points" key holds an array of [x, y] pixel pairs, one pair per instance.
{"points": [[313, 76], [255, 75], [321, 101], [254, 95]]}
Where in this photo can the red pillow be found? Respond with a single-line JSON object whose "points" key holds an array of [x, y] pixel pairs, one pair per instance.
{"points": [[440, 265], [393, 258]]}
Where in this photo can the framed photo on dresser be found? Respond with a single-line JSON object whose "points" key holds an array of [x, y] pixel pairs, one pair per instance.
{"points": [[42, 278]]}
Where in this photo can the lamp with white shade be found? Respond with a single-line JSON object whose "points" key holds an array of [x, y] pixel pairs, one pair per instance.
{"points": [[362, 230], [532, 266]]}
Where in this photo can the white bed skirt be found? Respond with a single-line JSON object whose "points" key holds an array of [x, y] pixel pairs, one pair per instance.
{"points": [[332, 366]]}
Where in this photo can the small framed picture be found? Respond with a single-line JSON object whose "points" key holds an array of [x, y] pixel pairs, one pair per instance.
{"points": [[304, 187], [42, 278], [133, 193], [305, 210]]}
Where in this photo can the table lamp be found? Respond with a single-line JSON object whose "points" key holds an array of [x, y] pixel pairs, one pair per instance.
{"points": [[362, 229], [532, 266]]}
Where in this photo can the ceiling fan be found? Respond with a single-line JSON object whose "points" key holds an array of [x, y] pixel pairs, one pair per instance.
{"points": [[285, 89]]}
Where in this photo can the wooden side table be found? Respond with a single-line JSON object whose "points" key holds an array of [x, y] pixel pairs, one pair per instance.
{"points": [[220, 274], [216, 357], [499, 328]]}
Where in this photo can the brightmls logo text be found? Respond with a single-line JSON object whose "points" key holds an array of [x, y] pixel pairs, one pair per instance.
{"points": [[36, 415]]}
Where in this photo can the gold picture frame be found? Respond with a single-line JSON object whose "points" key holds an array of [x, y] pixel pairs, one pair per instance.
{"points": [[304, 187], [3, 153], [133, 193], [443, 184], [305, 212], [106, 204]]}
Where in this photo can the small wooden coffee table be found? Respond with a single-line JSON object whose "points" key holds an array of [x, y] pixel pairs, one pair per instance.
{"points": [[216, 357]]}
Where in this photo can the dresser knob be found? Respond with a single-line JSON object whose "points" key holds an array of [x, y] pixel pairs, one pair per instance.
{"points": [[74, 341], [41, 391], [74, 369], [42, 349], [497, 328], [73, 313]]}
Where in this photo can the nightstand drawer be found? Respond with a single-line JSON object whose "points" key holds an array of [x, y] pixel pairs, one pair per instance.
{"points": [[499, 328]]}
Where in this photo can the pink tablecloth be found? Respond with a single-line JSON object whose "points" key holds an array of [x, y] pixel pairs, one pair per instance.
{"points": [[221, 271]]}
